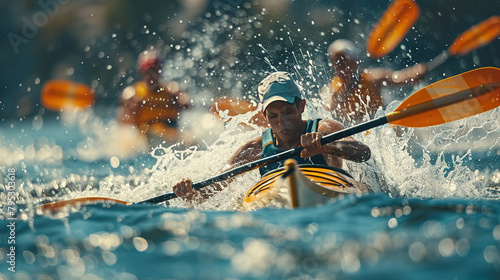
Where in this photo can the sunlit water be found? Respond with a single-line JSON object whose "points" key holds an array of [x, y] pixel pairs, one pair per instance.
{"points": [[428, 212]]}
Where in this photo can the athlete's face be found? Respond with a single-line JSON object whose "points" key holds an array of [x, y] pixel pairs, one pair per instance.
{"points": [[152, 77], [285, 119]]}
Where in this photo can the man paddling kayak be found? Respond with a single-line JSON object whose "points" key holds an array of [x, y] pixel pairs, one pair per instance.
{"points": [[151, 105], [282, 105], [353, 92]]}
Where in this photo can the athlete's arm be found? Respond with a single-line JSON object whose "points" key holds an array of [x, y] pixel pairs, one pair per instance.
{"points": [[389, 77], [247, 153], [347, 148]]}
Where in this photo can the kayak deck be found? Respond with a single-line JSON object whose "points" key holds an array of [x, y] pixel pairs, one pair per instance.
{"points": [[301, 186]]}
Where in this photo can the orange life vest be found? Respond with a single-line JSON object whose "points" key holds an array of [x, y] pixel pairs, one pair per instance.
{"points": [[156, 107]]}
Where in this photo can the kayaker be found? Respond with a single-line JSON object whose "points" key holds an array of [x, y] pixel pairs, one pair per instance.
{"points": [[353, 92], [150, 104], [282, 105]]}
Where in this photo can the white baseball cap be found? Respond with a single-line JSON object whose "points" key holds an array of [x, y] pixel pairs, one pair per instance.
{"points": [[278, 86], [344, 46]]}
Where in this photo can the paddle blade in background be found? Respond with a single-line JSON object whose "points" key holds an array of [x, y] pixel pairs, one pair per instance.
{"points": [[392, 27], [451, 99], [234, 106], [476, 36], [230, 107], [76, 202], [59, 94]]}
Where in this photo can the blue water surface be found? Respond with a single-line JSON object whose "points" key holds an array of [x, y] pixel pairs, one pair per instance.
{"points": [[383, 235], [368, 237]]}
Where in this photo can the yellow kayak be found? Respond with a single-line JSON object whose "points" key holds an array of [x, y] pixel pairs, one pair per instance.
{"points": [[297, 186]]}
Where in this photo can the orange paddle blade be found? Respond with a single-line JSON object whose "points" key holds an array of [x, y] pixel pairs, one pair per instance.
{"points": [[58, 205], [60, 94], [476, 36], [392, 27], [451, 99], [235, 107]]}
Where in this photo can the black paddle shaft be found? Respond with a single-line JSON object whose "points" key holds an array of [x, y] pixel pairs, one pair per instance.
{"points": [[281, 156]]}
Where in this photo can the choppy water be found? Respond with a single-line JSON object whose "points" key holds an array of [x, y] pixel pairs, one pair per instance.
{"points": [[432, 215], [373, 236]]}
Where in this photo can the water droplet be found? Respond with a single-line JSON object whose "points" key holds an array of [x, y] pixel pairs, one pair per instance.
{"points": [[417, 251], [115, 162], [393, 222], [446, 247], [140, 244], [491, 254]]}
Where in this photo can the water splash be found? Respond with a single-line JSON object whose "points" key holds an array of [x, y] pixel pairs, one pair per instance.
{"points": [[433, 162], [419, 163], [395, 168], [413, 166]]}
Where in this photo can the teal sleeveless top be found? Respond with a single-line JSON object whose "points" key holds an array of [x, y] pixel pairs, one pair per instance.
{"points": [[269, 148]]}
